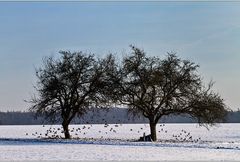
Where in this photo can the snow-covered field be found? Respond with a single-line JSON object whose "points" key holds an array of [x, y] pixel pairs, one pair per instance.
{"points": [[185, 142]]}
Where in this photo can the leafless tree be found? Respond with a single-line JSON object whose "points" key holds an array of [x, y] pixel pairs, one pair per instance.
{"points": [[69, 86], [157, 87]]}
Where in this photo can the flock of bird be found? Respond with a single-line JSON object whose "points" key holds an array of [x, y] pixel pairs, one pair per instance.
{"points": [[80, 132], [185, 136], [53, 132]]}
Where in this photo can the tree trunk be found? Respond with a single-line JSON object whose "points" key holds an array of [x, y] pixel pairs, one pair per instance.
{"points": [[153, 131], [65, 129]]}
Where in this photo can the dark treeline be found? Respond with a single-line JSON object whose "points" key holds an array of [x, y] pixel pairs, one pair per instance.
{"points": [[111, 116]]}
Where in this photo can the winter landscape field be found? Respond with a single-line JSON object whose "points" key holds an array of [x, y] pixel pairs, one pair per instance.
{"points": [[187, 142]]}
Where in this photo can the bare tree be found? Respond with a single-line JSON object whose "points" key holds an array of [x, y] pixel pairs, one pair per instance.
{"points": [[156, 88], [69, 86]]}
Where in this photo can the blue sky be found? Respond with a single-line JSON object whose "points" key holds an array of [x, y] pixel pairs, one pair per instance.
{"points": [[207, 33]]}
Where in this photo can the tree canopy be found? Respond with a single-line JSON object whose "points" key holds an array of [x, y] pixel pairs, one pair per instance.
{"points": [[69, 86], [151, 86], [157, 87]]}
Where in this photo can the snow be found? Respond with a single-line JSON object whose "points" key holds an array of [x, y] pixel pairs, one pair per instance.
{"points": [[97, 142]]}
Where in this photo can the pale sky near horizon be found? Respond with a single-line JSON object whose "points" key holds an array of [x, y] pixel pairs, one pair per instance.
{"points": [[207, 33]]}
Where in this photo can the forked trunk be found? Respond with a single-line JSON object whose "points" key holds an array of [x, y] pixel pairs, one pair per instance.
{"points": [[66, 131]]}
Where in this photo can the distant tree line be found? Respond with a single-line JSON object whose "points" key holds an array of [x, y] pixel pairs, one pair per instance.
{"points": [[111, 116], [151, 87]]}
